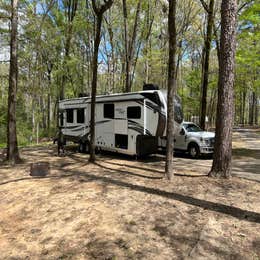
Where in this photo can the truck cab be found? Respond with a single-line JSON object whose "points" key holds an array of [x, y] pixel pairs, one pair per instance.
{"points": [[192, 139]]}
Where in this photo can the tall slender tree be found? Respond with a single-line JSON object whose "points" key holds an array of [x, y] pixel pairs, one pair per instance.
{"points": [[99, 11], [70, 10], [12, 147], [171, 89], [130, 44], [222, 160], [205, 60]]}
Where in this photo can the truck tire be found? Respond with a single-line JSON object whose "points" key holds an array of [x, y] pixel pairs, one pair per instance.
{"points": [[194, 151]]}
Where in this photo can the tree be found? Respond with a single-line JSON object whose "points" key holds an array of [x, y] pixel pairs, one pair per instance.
{"points": [[99, 11], [247, 60], [222, 159], [171, 89], [71, 9], [12, 147], [129, 44], [205, 61]]}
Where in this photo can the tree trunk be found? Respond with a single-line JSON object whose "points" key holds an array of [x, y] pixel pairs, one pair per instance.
{"points": [[94, 88], [254, 105], [171, 89], [205, 69], [99, 14], [244, 106], [48, 112], [127, 78], [113, 61], [12, 147], [251, 109], [49, 70], [222, 159], [256, 110], [129, 44], [71, 12]]}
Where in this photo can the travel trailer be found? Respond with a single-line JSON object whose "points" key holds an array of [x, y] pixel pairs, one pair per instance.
{"points": [[128, 123]]}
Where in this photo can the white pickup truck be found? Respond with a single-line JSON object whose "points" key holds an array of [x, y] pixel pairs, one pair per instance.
{"points": [[192, 139]]}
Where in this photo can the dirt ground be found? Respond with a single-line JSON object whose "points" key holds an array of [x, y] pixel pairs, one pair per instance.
{"points": [[120, 208]]}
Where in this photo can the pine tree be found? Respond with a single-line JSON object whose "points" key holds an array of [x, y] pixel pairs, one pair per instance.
{"points": [[222, 160]]}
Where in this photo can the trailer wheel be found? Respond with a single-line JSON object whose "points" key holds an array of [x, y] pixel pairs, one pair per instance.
{"points": [[82, 147], [194, 150]]}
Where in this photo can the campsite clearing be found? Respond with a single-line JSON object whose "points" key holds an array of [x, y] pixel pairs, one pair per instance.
{"points": [[122, 208]]}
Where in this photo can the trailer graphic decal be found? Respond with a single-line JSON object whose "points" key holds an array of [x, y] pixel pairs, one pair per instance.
{"points": [[137, 127]]}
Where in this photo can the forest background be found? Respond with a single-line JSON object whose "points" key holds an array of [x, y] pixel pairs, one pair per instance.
{"points": [[55, 51]]}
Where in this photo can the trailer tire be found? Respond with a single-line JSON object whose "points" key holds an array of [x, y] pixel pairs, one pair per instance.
{"points": [[194, 151]]}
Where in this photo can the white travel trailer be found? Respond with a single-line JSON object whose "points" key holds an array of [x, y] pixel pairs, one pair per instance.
{"points": [[128, 123]]}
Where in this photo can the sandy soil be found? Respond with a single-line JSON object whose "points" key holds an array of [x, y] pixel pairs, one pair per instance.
{"points": [[120, 208]]}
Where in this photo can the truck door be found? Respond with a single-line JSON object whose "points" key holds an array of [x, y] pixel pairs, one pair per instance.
{"points": [[180, 140]]}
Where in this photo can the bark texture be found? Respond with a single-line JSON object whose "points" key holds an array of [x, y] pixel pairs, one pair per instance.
{"points": [[205, 63], [171, 89], [99, 11], [130, 44], [71, 13], [222, 159], [12, 147]]}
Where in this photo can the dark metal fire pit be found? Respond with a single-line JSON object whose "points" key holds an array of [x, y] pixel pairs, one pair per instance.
{"points": [[40, 169]]}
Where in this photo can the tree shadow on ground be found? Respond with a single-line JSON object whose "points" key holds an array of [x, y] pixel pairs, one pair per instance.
{"points": [[244, 152], [147, 169], [206, 205], [246, 169], [183, 154], [120, 156], [105, 160], [127, 172]]}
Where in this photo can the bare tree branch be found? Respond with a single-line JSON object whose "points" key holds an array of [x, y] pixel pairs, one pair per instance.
{"points": [[205, 6], [244, 5]]}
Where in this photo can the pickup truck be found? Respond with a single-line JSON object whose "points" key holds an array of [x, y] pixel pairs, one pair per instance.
{"points": [[192, 139]]}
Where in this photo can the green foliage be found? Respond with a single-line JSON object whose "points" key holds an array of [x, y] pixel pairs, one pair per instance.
{"points": [[44, 29], [190, 94]]}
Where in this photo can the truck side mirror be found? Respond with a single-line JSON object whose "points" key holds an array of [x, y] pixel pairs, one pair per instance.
{"points": [[182, 132]]}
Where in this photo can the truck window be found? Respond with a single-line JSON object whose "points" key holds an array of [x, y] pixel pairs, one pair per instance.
{"points": [[80, 116], [134, 112], [69, 113], [109, 110], [192, 128]]}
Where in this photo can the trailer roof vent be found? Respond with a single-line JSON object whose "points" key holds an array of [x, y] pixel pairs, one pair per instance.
{"points": [[149, 86]]}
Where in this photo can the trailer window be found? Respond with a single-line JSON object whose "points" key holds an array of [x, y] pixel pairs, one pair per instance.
{"points": [[134, 112], [80, 116], [109, 111], [69, 113]]}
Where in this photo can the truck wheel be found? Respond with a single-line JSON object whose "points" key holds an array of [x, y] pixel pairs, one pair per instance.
{"points": [[194, 151], [82, 147]]}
